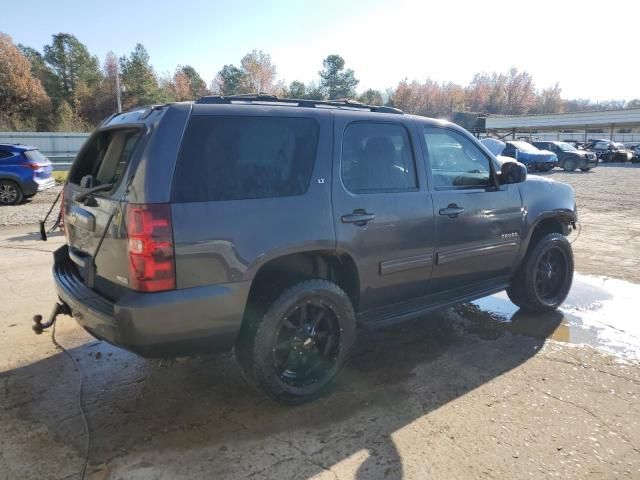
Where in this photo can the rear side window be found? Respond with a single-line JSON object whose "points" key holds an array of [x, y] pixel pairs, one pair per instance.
{"points": [[5, 154], [35, 156], [105, 158], [377, 157], [234, 158]]}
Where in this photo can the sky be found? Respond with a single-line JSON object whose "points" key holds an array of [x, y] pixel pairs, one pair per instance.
{"points": [[573, 43]]}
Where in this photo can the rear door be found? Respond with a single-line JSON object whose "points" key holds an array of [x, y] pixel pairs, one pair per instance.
{"points": [[103, 161], [383, 215], [478, 226]]}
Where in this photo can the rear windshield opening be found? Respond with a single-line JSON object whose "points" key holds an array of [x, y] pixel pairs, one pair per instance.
{"points": [[105, 158]]}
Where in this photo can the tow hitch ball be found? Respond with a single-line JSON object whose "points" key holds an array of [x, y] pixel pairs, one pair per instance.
{"points": [[58, 309]]}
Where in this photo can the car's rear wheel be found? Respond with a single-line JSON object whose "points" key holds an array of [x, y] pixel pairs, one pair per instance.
{"points": [[569, 165], [296, 349], [10, 193], [543, 280]]}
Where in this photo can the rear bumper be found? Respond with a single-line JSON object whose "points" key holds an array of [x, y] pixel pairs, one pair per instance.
{"points": [[33, 186], [179, 322]]}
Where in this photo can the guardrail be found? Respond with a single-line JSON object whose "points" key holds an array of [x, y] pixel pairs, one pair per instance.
{"points": [[60, 147]]}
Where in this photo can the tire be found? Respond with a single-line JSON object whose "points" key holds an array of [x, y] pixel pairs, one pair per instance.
{"points": [[296, 349], [544, 278], [569, 165], [10, 193], [585, 169]]}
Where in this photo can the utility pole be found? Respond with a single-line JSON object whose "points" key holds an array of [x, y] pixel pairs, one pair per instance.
{"points": [[118, 89]]}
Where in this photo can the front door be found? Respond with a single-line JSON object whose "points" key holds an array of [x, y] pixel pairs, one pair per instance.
{"points": [[383, 215], [478, 226]]}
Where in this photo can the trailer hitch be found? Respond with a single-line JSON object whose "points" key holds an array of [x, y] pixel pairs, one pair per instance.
{"points": [[58, 309]]}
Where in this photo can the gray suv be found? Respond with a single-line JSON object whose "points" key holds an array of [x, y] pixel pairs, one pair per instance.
{"points": [[274, 227]]}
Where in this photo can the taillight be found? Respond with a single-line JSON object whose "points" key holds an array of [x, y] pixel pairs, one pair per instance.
{"points": [[151, 253], [33, 166]]}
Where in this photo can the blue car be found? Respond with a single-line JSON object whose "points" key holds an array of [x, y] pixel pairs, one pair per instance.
{"points": [[24, 171], [530, 156]]}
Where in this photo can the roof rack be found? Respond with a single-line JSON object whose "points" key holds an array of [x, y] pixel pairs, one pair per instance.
{"points": [[263, 98]]}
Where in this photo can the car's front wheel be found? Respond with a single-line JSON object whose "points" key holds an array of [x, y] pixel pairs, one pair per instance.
{"points": [[296, 349], [10, 193], [543, 280]]}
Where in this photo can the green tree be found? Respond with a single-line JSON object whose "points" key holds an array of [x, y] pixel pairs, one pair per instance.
{"points": [[371, 97], [228, 81], [296, 89], [335, 81], [66, 120], [72, 64], [197, 86], [139, 80]]}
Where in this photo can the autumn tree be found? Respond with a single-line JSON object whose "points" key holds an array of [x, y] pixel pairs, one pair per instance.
{"points": [[335, 80], [22, 97], [549, 100], [258, 72], [180, 87], [197, 86]]}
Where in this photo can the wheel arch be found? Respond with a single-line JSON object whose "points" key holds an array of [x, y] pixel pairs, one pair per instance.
{"points": [[552, 222], [281, 272]]}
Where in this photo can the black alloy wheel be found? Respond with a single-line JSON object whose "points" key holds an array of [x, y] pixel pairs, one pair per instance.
{"points": [[551, 273], [294, 348], [307, 344], [543, 280]]}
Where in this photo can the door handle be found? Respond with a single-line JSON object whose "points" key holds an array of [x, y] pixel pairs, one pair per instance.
{"points": [[452, 210], [360, 217]]}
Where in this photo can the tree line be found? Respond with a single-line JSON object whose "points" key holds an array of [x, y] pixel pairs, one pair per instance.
{"points": [[63, 87]]}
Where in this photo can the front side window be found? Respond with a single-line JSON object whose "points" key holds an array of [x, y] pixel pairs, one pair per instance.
{"points": [[455, 161], [236, 157], [377, 157]]}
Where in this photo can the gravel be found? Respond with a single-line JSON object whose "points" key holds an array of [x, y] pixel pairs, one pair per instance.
{"points": [[30, 212]]}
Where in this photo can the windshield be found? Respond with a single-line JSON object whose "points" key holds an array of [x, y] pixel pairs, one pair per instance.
{"points": [[566, 147], [525, 147]]}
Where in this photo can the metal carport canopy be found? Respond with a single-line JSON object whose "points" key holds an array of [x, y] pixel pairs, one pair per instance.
{"points": [[605, 118]]}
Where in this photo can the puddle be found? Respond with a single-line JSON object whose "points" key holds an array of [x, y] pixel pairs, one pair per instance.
{"points": [[601, 312]]}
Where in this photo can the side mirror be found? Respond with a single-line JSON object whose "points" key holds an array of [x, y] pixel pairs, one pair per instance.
{"points": [[512, 172]]}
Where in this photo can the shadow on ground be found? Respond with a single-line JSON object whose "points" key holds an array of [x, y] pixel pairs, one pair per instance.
{"points": [[158, 408]]}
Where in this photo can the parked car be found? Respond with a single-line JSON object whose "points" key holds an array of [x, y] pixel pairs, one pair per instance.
{"points": [[575, 143], [598, 146], [636, 154], [533, 158], [569, 157], [496, 147], [24, 171], [285, 223], [617, 152]]}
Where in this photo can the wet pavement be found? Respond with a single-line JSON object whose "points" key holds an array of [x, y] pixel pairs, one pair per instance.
{"points": [[601, 312]]}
